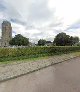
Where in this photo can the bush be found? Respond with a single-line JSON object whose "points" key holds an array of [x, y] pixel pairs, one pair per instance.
{"points": [[31, 52]]}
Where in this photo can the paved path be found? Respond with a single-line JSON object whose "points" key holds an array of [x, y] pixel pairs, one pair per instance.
{"points": [[63, 77]]}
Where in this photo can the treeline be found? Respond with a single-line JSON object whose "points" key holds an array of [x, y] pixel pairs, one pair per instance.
{"points": [[61, 39]]}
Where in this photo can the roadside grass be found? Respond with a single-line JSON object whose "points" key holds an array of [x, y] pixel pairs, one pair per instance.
{"points": [[35, 58], [24, 60]]}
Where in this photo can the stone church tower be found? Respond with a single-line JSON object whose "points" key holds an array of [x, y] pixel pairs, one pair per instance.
{"points": [[6, 33]]}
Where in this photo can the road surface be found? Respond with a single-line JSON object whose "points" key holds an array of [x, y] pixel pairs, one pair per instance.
{"points": [[63, 77]]}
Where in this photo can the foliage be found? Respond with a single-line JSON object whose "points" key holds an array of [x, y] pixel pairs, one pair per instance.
{"points": [[65, 40], [76, 39], [19, 40], [41, 42], [7, 54]]}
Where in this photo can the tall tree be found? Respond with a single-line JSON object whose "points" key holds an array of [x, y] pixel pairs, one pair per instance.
{"points": [[19, 40]]}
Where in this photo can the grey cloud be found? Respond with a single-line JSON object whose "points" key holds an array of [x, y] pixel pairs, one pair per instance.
{"points": [[2, 7], [55, 24], [74, 26], [17, 21], [12, 13], [39, 11], [8, 11], [33, 13]]}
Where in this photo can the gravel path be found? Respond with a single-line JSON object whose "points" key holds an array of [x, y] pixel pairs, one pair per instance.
{"points": [[16, 70]]}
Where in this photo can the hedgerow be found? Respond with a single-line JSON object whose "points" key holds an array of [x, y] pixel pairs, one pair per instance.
{"points": [[7, 54]]}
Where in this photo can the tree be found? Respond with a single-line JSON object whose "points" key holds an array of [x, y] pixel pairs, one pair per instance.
{"points": [[41, 42], [61, 39], [65, 40], [76, 39], [19, 40], [71, 41]]}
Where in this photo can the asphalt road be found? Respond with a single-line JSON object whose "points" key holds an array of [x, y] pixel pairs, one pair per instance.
{"points": [[63, 77]]}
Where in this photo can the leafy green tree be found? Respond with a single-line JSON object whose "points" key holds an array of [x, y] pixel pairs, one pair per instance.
{"points": [[19, 40], [61, 39], [65, 40], [41, 42]]}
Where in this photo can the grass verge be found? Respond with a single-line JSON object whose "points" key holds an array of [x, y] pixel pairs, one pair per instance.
{"points": [[36, 58]]}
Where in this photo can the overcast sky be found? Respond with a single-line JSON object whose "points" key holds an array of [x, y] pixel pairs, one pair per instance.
{"points": [[36, 19]]}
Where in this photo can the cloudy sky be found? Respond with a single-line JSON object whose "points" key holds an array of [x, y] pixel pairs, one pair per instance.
{"points": [[36, 19]]}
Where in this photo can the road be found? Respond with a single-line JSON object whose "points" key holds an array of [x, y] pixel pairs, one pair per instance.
{"points": [[63, 77]]}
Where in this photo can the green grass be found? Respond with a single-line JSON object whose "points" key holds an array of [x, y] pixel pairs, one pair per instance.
{"points": [[35, 59], [24, 60]]}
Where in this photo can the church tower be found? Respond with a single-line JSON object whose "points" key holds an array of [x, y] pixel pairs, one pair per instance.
{"points": [[6, 33]]}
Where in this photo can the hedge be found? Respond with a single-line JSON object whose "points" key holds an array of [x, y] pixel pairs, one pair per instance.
{"points": [[7, 54]]}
